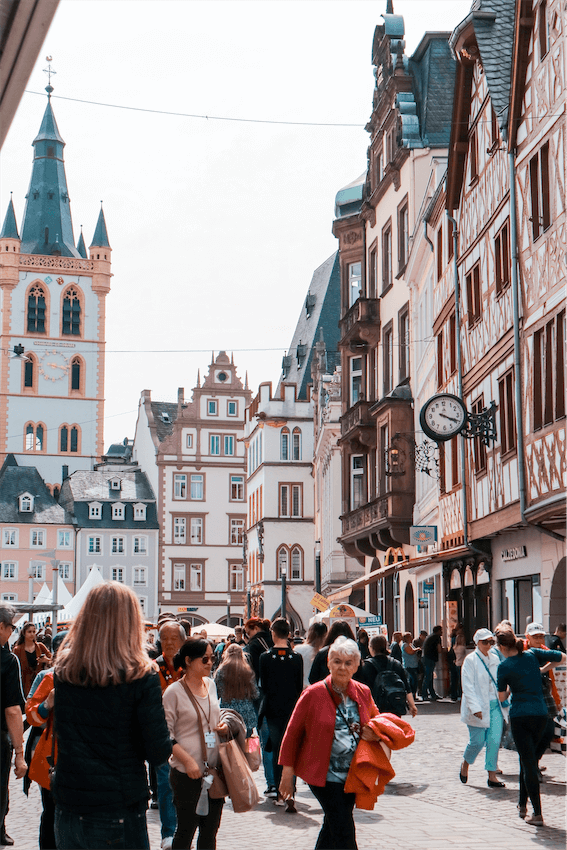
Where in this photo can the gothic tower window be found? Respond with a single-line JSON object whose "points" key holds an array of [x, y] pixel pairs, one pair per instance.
{"points": [[36, 310], [77, 375], [34, 437], [69, 439], [71, 313], [30, 374]]}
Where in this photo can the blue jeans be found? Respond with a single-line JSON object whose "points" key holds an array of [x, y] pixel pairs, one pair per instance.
{"points": [[411, 673], [479, 736], [267, 758], [95, 832], [167, 813], [427, 687]]}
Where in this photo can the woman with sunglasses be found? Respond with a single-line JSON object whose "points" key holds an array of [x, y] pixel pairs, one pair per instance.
{"points": [[192, 710], [481, 709]]}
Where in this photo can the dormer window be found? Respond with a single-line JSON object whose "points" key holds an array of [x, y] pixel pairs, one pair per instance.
{"points": [[118, 511], [165, 417], [115, 483], [286, 365], [139, 512], [26, 503], [310, 303], [95, 510]]}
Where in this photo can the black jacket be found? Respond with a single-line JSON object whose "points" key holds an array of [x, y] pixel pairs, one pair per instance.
{"points": [[104, 736], [281, 682], [261, 642]]}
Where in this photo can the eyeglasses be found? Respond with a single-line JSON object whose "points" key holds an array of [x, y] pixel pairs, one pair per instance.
{"points": [[207, 659], [489, 640], [12, 626]]}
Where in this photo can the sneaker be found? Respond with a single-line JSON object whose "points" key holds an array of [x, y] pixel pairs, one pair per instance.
{"points": [[279, 801], [271, 791], [166, 842]]}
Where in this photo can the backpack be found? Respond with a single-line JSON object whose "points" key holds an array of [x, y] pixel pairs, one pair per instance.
{"points": [[389, 690]]}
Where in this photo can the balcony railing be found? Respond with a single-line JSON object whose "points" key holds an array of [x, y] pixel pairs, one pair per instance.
{"points": [[366, 517], [358, 416], [364, 311]]}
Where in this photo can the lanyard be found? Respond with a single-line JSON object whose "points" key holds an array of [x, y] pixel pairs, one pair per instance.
{"points": [[352, 727]]}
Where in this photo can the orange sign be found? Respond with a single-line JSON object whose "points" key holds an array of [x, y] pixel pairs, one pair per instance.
{"points": [[320, 602]]}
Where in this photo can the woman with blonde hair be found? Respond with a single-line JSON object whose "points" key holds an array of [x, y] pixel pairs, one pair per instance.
{"points": [[236, 686], [109, 720]]}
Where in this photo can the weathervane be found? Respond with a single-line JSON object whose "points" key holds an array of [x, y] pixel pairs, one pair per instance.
{"points": [[49, 71]]}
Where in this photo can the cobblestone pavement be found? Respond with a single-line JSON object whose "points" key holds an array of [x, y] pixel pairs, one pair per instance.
{"points": [[425, 807]]}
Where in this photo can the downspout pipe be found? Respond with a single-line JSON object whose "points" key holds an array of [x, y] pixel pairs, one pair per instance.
{"points": [[426, 237], [467, 542]]}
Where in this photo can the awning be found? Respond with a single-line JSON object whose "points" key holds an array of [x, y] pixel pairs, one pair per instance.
{"points": [[344, 592]]}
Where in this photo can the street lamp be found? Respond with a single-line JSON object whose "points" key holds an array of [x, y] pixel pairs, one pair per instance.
{"points": [[283, 572], [248, 600], [228, 610], [317, 566]]}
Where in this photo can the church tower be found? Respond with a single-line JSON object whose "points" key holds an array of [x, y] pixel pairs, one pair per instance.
{"points": [[52, 324]]}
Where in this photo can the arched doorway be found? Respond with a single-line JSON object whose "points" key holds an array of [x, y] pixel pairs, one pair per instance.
{"points": [[409, 609], [557, 597]]}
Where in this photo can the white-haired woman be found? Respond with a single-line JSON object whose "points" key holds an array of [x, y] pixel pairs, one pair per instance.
{"points": [[329, 719]]}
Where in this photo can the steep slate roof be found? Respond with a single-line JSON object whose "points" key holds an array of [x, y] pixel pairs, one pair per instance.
{"points": [[493, 22], [164, 429], [10, 228], [47, 226], [433, 69], [83, 487], [81, 247], [100, 238], [325, 288], [16, 480]]}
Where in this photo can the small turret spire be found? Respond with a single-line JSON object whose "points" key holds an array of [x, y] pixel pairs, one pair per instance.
{"points": [[49, 71], [390, 7], [10, 228], [100, 238], [81, 247], [198, 378]]}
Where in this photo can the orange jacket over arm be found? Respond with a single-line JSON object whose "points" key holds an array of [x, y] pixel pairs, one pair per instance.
{"points": [[37, 715]]}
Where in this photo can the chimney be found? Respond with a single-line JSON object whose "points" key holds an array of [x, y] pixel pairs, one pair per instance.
{"points": [[64, 472]]}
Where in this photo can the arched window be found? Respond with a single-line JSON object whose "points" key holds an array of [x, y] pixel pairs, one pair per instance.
{"points": [[69, 437], [77, 374], [296, 564], [34, 437], [36, 309], [71, 313], [29, 369], [284, 444], [283, 560], [296, 444]]}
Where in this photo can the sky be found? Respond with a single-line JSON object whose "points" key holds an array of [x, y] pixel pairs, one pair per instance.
{"points": [[216, 226]]}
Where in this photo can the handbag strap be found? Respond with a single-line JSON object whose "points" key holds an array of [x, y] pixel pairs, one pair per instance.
{"points": [[488, 671], [348, 725], [198, 713]]}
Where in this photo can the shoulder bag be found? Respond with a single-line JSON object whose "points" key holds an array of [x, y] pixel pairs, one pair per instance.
{"points": [[218, 788]]}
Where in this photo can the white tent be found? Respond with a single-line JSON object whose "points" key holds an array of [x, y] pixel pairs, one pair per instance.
{"points": [[75, 604], [213, 630], [357, 618]]}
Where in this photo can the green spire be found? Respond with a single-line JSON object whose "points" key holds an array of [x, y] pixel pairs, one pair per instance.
{"points": [[47, 226], [81, 247], [10, 228], [100, 238]]}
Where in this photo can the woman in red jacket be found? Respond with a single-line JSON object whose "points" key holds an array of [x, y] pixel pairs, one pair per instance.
{"points": [[32, 655], [329, 719]]}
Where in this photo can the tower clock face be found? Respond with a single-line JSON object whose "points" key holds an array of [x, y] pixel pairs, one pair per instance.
{"points": [[53, 365], [443, 417]]}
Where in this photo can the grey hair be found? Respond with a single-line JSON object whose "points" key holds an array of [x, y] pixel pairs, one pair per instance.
{"points": [[345, 646], [182, 632], [7, 613]]}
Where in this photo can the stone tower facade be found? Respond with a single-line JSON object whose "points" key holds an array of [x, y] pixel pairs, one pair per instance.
{"points": [[52, 330]]}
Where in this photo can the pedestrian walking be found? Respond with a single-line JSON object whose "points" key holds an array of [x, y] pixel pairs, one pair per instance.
{"points": [[11, 725], [481, 709], [319, 668], [535, 639], [395, 646], [32, 655], [430, 657], [259, 641], [172, 635], [520, 675], [192, 711], [459, 653], [109, 721], [309, 649], [410, 661], [362, 640], [321, 738], [387, 680], [281, 683], [236, 686]]}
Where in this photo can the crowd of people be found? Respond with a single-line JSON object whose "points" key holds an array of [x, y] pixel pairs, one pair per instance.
{"points": [[117, 719]]}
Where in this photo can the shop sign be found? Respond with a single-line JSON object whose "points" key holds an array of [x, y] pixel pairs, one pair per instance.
{"points": [[422, 535], [371, 622], [183, 610], [424, 602], [429, 587], [320, 602], [514, 553]]}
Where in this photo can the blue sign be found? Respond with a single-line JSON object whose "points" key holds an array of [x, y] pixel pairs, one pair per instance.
{"points": [[370, 621], [429, 587]]}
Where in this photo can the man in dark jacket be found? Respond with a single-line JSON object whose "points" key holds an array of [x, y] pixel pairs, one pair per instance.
{"points": [[281, 683], [259, 641], [430, 657], [12, 704]]}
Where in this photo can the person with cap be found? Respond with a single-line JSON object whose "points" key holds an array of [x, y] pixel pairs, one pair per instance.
{"points": [[12, 702], [481, 709], [520, 675], [535, 639]]}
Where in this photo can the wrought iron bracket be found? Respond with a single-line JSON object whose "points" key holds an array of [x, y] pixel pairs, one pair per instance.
{"points": [[424, 456], [481, 425]]}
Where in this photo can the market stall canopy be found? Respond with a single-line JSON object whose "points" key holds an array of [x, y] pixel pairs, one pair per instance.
{"points": [[73, 607], [213, 630]]}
